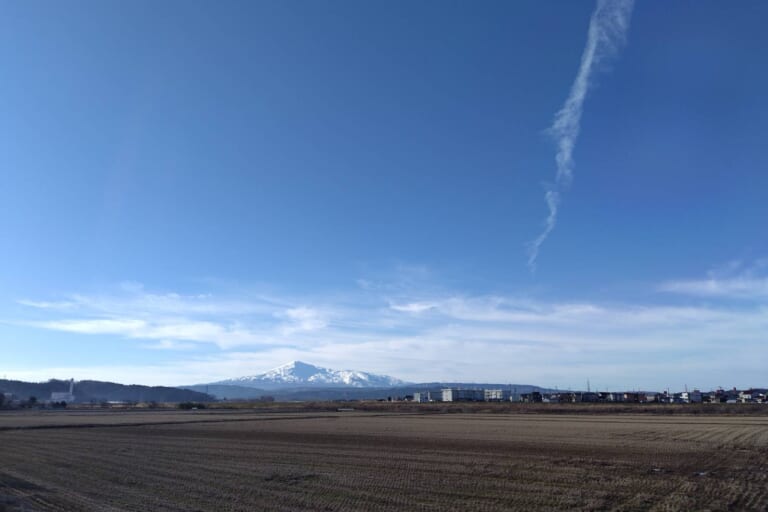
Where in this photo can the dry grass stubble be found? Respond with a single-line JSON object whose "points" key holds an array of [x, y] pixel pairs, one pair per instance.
{"points": [[358, 461]]}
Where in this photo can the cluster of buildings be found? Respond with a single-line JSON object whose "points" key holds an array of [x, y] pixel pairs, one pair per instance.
{"points": [[467, 395], [732, 396]]}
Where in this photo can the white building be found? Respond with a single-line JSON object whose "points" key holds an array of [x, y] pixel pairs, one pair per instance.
{"points": [[67, 396], [462, 395]]}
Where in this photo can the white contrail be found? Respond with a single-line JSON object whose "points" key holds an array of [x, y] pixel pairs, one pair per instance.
{"points": [[607, 30]]}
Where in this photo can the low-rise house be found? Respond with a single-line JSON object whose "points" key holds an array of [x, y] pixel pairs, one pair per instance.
{"points": [[496, 395], [731, 396], [649, 397], [567, 397], [533, 397]]}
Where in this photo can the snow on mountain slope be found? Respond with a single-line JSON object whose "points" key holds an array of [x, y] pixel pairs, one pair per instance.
{"points": [[298, 374]]}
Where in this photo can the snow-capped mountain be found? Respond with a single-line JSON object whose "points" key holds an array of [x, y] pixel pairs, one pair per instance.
{"points": [[299, 375]]}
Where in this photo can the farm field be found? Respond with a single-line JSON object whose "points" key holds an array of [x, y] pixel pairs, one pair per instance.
{"points": [[356, 461]]}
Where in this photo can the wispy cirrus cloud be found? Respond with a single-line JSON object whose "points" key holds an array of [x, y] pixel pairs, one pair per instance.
{"points": [[607, 32], [133, 312], [745, 288], [41, 304], [170, 345], [413, 307], [221, 333], [126, 327], [736, 279], [302, 319]]}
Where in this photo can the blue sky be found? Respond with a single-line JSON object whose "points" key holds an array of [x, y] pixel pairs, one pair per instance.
{"points": [[194, 191]]}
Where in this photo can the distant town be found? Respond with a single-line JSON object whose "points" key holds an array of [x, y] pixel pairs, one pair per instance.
{"points": [[67, 396], [730, 396]]}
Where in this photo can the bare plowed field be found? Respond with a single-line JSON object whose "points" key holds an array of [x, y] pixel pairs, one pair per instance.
{"points": [[360, 461]]}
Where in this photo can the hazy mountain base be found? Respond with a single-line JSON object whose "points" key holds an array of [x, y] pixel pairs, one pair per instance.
{"points": [[288, 394]]}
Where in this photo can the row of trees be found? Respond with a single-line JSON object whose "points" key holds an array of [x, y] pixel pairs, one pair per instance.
{"points": [[32, 401]]}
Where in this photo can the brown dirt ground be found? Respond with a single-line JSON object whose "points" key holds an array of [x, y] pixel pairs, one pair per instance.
{"points": [[357, 461]]}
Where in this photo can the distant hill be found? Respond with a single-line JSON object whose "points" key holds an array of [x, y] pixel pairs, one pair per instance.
{"points": [[300, 375], [222, 391], [92, 390]]}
